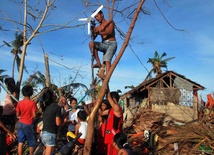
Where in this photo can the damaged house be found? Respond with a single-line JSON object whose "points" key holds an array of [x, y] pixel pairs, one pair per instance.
{"points": [[169, 92]]}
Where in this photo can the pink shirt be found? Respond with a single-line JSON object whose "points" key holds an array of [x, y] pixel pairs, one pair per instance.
{"points": [[8, 107]]}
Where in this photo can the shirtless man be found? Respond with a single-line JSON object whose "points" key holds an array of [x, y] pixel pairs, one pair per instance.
{"points": [[108, 45]]}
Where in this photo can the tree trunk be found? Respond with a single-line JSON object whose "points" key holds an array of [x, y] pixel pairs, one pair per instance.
{"points": [[13, 66], [25, 43], [47, 71], [21, 67], [90, 130]]}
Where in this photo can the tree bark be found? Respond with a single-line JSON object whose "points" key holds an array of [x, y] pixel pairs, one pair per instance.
{"points": [[13, 66], [47, 71], [90, 130]]}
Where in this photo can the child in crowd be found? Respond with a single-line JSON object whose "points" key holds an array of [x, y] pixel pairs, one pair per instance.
{"points": [[72, 116], [51, 121], [81, 127], [26, 112], [121, 145], [101, 146], [9, 105]]}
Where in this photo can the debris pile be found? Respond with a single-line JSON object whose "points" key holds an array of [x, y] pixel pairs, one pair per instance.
{"points": [[156, 133]]}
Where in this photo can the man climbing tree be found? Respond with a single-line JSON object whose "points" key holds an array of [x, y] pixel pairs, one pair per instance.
{"points": [[90, 130], [108, 45]]}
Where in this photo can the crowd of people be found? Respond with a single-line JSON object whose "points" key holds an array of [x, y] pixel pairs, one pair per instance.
{"points": [[60, 113], [63, 113]]}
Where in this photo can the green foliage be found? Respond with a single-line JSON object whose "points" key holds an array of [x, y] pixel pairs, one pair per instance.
{"points": [[36, 80], [157, 62], [16, 50], [17, 43], [2, 77]]}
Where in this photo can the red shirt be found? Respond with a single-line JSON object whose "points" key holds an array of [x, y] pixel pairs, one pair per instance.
{"points": [[26, 109], [112, 121], [100, 139]]}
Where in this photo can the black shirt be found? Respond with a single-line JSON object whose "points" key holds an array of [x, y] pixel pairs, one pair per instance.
{"points": [[49, 118]]}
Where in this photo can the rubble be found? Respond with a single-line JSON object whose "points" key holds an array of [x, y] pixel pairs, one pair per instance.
{"points": [[168, 136]]}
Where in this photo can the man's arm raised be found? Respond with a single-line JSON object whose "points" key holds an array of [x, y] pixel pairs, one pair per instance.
{"points": [[114, 104]]}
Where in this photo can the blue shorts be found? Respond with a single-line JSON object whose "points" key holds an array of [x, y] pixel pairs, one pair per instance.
{"points": [[26, 132], [108, 48], [48, 139]]}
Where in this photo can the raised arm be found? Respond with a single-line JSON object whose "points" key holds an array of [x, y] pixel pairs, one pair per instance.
{"points": [[86, 108], [114, 104], [103, 113]]}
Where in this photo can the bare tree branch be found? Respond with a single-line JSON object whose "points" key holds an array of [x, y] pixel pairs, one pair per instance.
{"points": [[166, 18]]}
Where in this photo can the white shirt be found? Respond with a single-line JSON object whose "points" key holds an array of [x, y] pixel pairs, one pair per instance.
{"points": [[72, 116], [83, 129]]}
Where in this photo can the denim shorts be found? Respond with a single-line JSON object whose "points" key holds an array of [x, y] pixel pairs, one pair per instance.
{"points": [[108, 48], [26, 132], [48, 139]]}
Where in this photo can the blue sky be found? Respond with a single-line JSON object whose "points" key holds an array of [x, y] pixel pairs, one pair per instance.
{"points": [[192, 48]]}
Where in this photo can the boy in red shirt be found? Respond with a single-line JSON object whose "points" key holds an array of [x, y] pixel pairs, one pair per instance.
{"points": [[26, 112]]}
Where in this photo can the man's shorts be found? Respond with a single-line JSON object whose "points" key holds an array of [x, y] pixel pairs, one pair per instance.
{"points": [[108, 48], [26, 132], [48, 139]]}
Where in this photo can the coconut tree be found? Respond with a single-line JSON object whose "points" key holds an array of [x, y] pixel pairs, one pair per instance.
{"points": [[2, 76], [69, 88], [131, 87], [36, 80], [16, 45], [157, 62]]}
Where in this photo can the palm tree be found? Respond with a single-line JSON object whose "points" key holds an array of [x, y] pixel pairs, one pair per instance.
{"points": [[157, 63], [72, 86], [2, 76], [36, 80], [16, 45], [131, 87]]}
